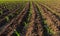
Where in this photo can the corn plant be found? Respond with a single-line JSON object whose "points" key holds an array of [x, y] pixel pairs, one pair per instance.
{"points": [[18, 34], [50, 31], [25, 24], [29, 16], [1, 12], [7, 18]]}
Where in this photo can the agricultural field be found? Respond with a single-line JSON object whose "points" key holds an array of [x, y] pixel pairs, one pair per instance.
{"points": [[53, 4], [29, 18]]}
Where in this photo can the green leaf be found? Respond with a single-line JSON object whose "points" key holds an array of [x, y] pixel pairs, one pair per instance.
{"points": [[18, 34], [1, 12], [25, 24], [7, 18]]}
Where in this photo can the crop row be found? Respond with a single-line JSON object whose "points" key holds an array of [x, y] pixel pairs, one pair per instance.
{"points": [[11, 23], [50, 20], [32, 19]]}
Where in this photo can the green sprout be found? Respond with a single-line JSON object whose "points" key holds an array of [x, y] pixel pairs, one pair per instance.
{"points": [[50, 31], [1, 12], [25, 24], [7, 18], [29, 16], [45, 22], [18, 34]]}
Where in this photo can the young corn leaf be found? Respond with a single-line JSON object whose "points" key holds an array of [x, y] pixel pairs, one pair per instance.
{"points": [[52, 32], [29, 17], [18, 34], [7, 18], [49, 30], [25, 24], [1, 12]]}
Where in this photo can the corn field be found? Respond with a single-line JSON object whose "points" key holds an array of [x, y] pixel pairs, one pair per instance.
{"points": [[28, 18]]}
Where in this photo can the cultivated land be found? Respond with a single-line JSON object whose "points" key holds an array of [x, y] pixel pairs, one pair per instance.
{"points": [[30, 18]]}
